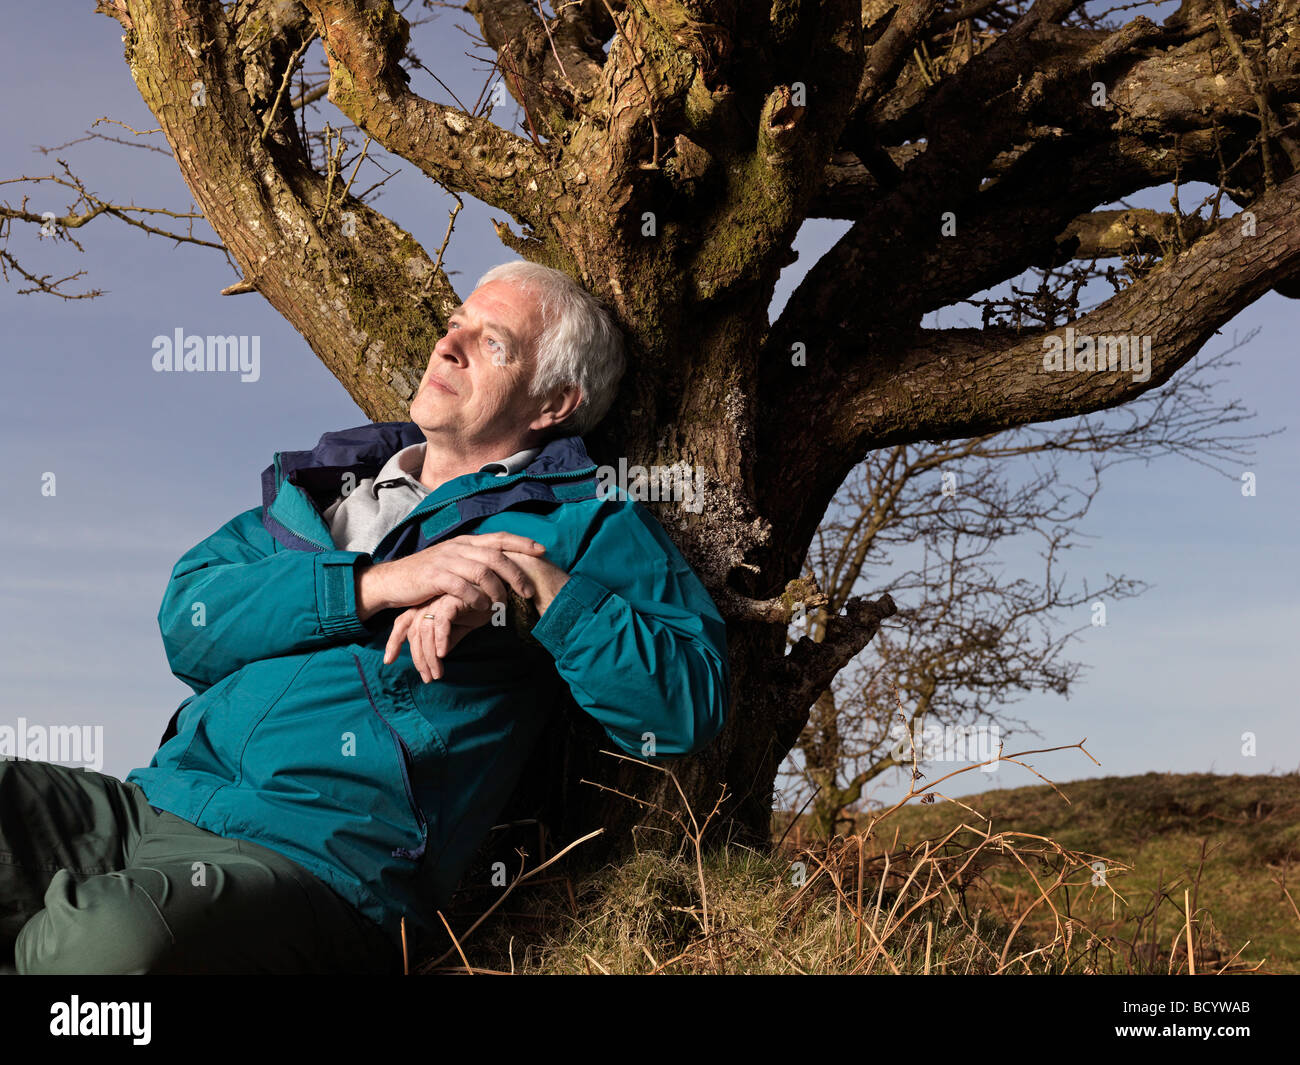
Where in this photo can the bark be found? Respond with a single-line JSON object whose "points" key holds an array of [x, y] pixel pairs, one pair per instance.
{"points": [[671, 176]]}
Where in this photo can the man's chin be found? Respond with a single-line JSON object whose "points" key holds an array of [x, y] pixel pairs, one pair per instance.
{"points": [[420, 414]]}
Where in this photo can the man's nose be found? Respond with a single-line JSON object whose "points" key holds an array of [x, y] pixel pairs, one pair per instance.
{"points": [[448, 348]]}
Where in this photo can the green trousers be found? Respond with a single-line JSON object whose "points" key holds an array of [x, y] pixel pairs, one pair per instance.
{"points": [[95, 880]]}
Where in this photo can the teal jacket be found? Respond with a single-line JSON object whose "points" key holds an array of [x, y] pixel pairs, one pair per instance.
{"points": [[301, 739]]}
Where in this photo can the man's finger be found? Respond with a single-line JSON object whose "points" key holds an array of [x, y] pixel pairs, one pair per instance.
{"points": [[395, 638], [415, 638], [440, 627], [500, 564], [472, 582], [504, 541], [428, 641], [439, 608], [441, 631]]}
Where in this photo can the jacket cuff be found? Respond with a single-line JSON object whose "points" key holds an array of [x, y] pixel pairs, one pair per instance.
{"points": [[336, 593], [573, 605]]}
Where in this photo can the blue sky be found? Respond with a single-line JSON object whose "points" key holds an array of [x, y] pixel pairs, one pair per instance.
{"points": [[147, 464]]}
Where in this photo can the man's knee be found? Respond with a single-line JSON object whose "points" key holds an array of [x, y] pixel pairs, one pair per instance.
{"points": [[107, 924], [242, 912]]}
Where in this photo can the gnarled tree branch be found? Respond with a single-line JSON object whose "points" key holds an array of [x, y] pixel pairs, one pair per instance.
{"points": [[364, 44]]}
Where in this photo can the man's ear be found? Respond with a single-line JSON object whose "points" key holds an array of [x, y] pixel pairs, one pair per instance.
{"points": [[558, 408]]}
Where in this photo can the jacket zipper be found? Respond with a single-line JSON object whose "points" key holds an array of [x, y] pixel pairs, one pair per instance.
{"points": [[403, 758]]}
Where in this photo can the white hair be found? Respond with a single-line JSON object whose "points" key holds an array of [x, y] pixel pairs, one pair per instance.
{"points": [[580, 343]]}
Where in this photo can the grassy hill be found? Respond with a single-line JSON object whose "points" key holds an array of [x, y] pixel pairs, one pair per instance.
{"points": [[1232, 841]]}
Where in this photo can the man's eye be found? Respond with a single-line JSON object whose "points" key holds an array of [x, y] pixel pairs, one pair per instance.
{"points": [[491, 340]]}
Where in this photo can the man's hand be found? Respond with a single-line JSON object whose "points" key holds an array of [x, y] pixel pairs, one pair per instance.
{"points": [[433, 638], [474, 568], [546, 577]]}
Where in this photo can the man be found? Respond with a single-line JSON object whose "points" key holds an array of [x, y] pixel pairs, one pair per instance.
{"points": [[365, 695]]}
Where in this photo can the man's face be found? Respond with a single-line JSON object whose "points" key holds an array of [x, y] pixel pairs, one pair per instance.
{"points": [[485, 361]]}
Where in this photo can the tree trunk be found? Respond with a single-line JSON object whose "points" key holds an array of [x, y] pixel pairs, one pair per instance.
{"points": [[673, 178]]}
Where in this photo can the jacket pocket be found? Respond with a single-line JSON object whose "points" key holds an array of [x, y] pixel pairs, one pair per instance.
{"points": [[226, 715]]}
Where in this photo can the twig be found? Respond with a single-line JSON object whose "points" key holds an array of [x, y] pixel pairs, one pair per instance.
{"points": [[510, 887], [795, 819], [360, 158], [437, 263], [299, 52], [1294, 908], [456, 942], [333, 156], [559, 62]]}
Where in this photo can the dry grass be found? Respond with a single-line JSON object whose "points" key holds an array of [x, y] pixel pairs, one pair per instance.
{"points": [[917, 889], [852, 906], [1216, 854]]}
